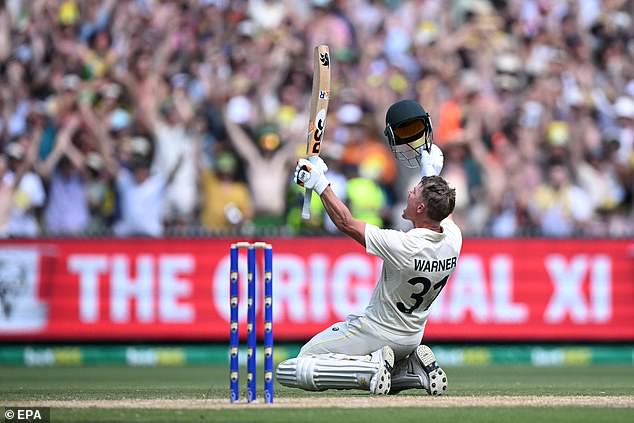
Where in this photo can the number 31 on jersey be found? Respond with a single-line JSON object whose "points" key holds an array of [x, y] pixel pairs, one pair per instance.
{"points": [[419, 297]]}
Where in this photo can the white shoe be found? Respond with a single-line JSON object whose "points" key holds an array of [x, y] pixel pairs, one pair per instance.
{"points": [[381, 382], [436, 376], [420, 371]]}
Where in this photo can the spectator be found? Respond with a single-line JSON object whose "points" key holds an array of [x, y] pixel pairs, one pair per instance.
{"points": [[563, 207], [171, 130], [226, 201], [67, 208], [28, 195], [8, 188], [100, 194], [624, 110], [268, 161], [141, 193]]}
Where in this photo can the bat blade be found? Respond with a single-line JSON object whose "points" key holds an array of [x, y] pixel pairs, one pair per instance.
{"points": [[319, 98]]}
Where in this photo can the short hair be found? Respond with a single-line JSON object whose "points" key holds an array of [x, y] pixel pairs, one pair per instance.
{"points": [[439, 198]]}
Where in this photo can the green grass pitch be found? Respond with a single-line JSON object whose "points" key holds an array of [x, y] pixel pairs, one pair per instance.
{"points": [[19, 384]]}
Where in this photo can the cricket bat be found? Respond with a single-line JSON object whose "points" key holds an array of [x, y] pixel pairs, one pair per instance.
{"points": [[319, 99]]}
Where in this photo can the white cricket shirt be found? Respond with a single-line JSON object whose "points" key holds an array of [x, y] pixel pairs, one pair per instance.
{"points": [[416, 267]]}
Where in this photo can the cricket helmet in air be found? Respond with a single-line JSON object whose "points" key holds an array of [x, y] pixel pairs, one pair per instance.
{"points": [[408, 129]]}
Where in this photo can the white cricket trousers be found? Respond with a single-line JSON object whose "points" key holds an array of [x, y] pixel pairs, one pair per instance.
{"points": [[359, 336]]}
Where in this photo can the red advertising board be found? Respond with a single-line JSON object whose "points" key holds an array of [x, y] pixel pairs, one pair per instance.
{"points": [[177, 289]]}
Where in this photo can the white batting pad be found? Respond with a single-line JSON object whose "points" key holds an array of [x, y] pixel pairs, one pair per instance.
{"points": [[327, 371]]}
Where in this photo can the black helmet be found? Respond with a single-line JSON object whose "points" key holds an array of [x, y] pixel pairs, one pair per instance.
{"points": [[408, 128]]}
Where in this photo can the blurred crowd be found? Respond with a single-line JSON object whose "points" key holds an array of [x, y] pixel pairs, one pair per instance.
{"points": [[150, 117]]}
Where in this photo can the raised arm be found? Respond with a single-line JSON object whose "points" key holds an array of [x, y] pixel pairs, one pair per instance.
{"points": [[76, 157], [148, 104], [62, 143], [154, 92], [240, 140], [341, 216], [104, 141]]}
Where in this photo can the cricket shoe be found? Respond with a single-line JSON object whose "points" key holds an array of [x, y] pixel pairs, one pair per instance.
{"points": [[381, 382], [420, 370]]}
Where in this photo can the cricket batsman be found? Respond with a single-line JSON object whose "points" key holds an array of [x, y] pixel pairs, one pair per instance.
{"points": [[380, 350]]}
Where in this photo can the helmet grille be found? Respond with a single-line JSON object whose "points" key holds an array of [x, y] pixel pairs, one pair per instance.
{"points": [[407, 154]]}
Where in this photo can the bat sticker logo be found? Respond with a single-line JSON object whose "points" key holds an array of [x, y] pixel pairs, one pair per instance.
{"points": [[324, 58], [323, 95], [320, 125]]}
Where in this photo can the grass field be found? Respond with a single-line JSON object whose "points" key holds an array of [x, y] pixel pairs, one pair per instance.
{"points": [[199, 394]]}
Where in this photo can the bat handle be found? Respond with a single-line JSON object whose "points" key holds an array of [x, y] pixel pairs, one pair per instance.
{"points": [[308, 195]]}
